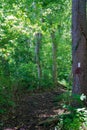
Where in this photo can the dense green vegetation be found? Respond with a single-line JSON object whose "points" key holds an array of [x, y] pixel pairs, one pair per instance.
{"points": [[20, 21], [35, 55]]}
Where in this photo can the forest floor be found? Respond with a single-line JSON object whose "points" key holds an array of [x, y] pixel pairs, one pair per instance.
{"points": [[33, 109]]}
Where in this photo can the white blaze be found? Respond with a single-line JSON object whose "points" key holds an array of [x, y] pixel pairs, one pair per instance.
{"points": [[79, 64]]}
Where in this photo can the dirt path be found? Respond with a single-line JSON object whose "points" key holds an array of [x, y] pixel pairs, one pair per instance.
{"points": [[30, 110]]}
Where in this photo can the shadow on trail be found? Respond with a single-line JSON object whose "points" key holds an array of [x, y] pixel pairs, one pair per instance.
{"points": [[31, 110]]}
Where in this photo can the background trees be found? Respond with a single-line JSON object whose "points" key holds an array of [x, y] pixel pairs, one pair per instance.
{"points": [[22, 22]]}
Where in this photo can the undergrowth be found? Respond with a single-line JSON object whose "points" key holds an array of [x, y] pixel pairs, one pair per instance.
{"points": [[75, 118]]}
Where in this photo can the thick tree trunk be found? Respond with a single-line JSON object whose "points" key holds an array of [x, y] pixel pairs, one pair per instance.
{"points": [[54, 54], [37, 55], [79, 47]]}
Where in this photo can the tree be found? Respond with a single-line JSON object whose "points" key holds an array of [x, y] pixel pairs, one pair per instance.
{"points": [[37, 54], [54, 57], [18, 34], [79, 47]]}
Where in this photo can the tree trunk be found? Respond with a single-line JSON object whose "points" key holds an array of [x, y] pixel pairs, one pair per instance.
{"points": [[79, 47], [54, 54], [37, 53]]}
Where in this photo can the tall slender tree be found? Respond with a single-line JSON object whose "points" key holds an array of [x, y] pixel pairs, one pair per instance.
{"points": [[79, 46], [37, 55], [54, 58]]}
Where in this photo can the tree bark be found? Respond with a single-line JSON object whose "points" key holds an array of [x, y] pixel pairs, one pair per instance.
{"points": [[54, 57], [37, 53], [79, 47]]}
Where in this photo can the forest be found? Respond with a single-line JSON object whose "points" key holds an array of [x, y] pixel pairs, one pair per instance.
{"points": [[43, 68]]}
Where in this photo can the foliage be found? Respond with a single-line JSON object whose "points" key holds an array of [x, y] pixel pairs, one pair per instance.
{"points": [[6, 99], [20, 21], [18, 31], [74, 118]]}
